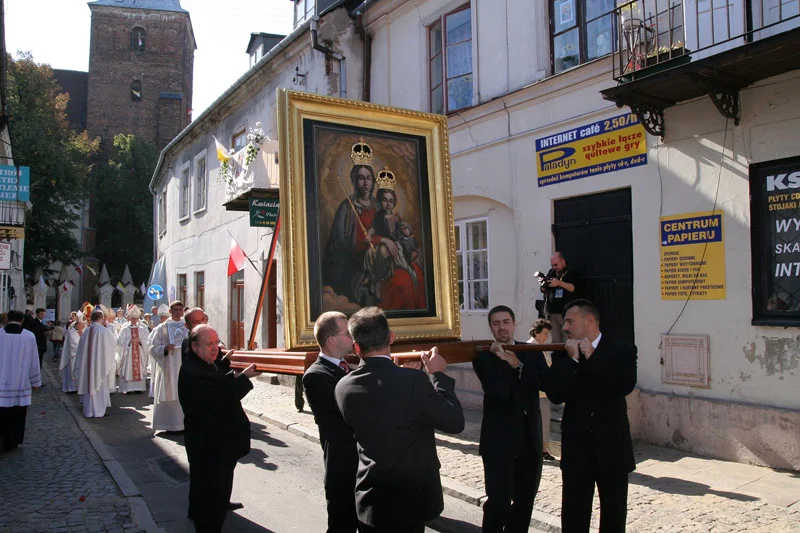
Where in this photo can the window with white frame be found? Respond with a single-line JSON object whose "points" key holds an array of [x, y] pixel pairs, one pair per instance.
{"points": [[303, 10], [472, 257], [450, 61], [239, 139], [200, 180], [162, 212], [185, 187]]}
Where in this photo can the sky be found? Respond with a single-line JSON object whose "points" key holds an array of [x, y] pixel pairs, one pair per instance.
{"points": [[222, 34]]}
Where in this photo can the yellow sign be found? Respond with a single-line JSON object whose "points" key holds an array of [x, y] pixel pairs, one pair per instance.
{"points": [[693, 256], [12, 232], [604, 146]]}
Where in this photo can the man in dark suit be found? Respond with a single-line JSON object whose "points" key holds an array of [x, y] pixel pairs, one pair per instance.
{"points": [[336, 437], [35, 325], [511, 431], [393, 412], [217, 429], [592, 378]]}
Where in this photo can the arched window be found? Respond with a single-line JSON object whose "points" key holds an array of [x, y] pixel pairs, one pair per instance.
{"points": [[136, 90], [138, 39]]}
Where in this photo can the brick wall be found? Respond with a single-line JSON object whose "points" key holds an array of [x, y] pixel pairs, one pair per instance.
{"points": [[164, 67]]}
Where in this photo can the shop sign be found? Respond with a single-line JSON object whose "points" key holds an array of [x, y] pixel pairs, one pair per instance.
{"points": [[15, 183], [604, 146], [693, 256], [5, 255], [264, 212]]}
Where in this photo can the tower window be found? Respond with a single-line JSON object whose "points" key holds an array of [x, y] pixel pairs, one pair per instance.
{"points": [[138, 39], [136, 91]]}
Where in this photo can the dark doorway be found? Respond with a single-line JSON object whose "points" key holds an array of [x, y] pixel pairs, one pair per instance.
{"points": [[594, 234], [237, 311]]}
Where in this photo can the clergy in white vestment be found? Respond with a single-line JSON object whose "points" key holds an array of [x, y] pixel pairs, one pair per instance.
{"points": [[133, 353], [165, 349], [19, 376], [161, 316], [69, 382], [95, 366], [111, 321]]}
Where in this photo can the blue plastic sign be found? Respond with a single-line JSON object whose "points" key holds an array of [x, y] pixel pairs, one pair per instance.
{"points": [[15, 183], [155, 292]]}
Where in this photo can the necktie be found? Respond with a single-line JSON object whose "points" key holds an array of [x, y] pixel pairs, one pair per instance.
{"points": [[344, 366]]}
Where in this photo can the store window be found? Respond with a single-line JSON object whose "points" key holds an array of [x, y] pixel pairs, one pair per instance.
{"points": [[775, 242]]}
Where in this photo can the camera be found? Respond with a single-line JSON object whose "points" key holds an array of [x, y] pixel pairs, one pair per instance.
{"points": [[543, 278]]}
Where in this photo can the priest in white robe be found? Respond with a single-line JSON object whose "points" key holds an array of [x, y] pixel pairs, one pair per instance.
{"points": [[20, 374], [72, 337], [133, 353], [95, 366], [165, 349]]}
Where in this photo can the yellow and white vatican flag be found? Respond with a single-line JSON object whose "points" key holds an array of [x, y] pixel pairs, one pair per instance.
{"points": [[222, 152]]}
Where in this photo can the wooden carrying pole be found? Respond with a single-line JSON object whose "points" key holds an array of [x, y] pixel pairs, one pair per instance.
{"points": [[277, 361], [264, 283]]}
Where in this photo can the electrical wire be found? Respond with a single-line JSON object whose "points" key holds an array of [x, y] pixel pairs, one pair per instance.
{"points": [[705, 247]]}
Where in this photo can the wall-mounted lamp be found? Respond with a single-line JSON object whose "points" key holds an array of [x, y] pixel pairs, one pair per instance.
{"points": [[299, 79]]}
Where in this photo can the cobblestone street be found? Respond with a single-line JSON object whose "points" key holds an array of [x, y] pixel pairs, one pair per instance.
{"points": [[55, 481], [670, 491]]}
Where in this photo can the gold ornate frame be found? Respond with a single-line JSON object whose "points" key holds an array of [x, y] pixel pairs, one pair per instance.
{"points": [[442, 319]]}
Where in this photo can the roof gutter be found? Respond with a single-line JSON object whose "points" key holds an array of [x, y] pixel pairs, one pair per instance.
{"points": [[285, 42]]}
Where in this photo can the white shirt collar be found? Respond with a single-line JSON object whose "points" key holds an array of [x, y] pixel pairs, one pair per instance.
{"points": [[330, 359], [597, 340]]}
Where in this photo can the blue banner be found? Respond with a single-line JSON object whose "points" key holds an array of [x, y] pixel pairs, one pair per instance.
{"points": [[15, 183]]}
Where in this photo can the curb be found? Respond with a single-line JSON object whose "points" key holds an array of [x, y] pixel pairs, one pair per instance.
{"points": [[451, 487], [140, 512]]}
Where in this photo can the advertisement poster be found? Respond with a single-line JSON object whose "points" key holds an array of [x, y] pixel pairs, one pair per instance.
{"points": [[607, 145], [693, 256], [775, 210]]}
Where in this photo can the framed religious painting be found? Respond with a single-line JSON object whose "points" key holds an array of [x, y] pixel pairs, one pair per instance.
{"points": [[367, 212]]}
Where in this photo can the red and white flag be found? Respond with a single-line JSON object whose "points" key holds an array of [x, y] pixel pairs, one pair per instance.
{"points": [[79, 269], [236, 259]]}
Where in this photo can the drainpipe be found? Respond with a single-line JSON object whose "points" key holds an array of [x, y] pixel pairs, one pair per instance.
{"points": [[367, 39], [316, 45]]}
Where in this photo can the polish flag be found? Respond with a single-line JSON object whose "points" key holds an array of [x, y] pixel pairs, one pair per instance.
{"points": [[79, 269], [236, 259]]}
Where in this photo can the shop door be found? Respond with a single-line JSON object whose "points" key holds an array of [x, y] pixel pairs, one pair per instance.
{"points": [[237, 311], [594, 234]]}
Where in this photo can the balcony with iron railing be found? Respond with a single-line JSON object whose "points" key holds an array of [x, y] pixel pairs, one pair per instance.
{"points": [[670, 51]]}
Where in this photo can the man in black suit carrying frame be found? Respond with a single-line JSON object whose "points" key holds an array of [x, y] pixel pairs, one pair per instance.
{"points": [[393, 412], [511, 431], [335, 436], [592, 378]]}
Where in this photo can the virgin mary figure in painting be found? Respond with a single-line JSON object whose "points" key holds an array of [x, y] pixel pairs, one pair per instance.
{"points": [[341, 265]]}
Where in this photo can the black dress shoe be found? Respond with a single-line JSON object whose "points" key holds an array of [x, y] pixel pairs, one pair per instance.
{"points": [[547, 457], [235, 505]]}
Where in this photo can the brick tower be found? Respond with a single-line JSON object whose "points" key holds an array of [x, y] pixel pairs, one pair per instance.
{"points": [[140, 70]]}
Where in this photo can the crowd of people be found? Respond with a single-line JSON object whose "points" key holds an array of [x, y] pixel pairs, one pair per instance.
{"points": [[376, 419]]}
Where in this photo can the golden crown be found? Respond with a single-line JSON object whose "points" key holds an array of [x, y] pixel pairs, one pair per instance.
{"points": [[361, 153], [385, 179]]}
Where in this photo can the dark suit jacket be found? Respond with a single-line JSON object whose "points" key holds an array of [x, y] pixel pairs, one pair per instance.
{"points": [[217, 429], [393, 412], [335, 437], [510, 402], [35, 326], [595, 429]]}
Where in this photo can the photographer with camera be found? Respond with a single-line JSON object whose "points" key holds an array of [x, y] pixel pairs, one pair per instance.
{"points": [[560, 286]]}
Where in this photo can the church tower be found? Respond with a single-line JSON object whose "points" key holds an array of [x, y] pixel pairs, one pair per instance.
{"points": [[140, 70]]}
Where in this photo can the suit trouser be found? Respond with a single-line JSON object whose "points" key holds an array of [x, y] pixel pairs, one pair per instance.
{"points": [[210, 485], [341, 504], [12, 425], [511, 486], [576, 499], [557, 332]]}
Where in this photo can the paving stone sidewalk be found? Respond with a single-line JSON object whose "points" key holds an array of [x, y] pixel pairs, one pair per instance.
{"points": [[670, 491], [55, 481]]}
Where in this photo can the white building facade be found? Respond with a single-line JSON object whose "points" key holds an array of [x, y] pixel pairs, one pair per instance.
{"points": [[714, 315]]}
